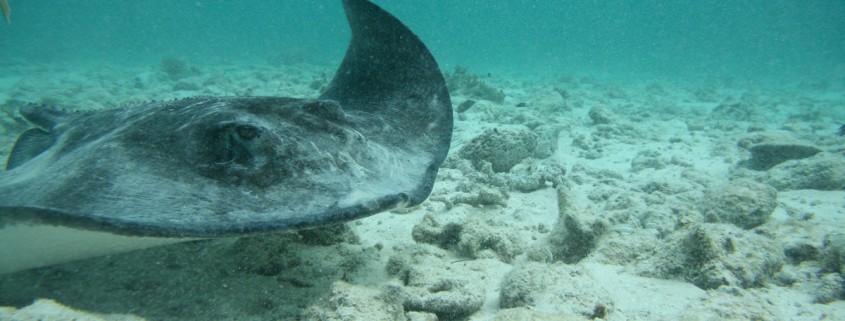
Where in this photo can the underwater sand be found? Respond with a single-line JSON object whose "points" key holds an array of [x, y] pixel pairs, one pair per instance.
{"points": [[626, 208]]}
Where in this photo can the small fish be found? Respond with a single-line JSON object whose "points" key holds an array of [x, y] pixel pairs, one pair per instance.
{"points": [[7, 11], [842, 130]]}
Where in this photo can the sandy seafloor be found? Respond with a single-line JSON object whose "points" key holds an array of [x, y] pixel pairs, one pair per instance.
{"points": [[637, 200]]}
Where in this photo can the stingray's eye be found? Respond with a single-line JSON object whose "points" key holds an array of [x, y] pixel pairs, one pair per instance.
{"points": [[247, 131]]}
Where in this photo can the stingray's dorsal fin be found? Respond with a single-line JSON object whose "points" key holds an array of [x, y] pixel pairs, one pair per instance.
{"points": [[31, 143]]}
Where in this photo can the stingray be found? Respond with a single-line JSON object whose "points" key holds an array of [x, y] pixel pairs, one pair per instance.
{"points": [[83, 184]]}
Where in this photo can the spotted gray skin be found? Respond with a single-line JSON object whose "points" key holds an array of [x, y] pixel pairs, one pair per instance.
{"points": [[224, 166]]}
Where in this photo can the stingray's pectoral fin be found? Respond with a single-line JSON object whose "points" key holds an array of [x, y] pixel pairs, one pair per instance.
{"points": [[389, 72], [29, 144], [35, 140], [43, 116]]}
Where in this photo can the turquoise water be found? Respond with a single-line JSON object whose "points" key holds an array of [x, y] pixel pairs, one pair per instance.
{"points": [[755, 40]]}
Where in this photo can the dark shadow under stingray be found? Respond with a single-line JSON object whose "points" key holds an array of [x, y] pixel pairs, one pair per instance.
{"points": [[270, 277]]}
